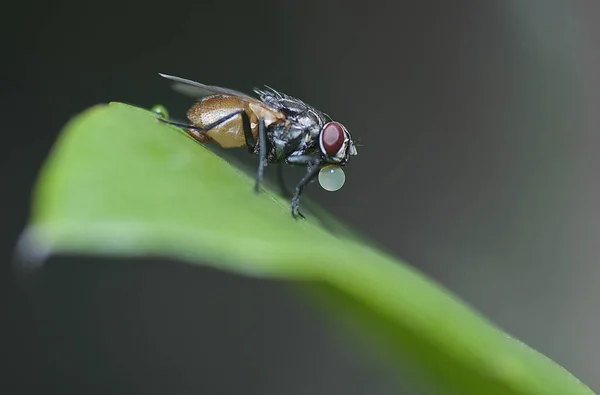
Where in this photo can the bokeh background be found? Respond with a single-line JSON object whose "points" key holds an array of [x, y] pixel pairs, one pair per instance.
{"points": [[480, 127]]}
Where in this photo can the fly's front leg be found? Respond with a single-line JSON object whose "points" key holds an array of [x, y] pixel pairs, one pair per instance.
{"points": [[262, 153], [302, 160], [313, 168]]}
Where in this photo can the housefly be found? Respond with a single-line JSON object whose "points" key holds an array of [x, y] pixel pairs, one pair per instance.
{"points": [[276, 127]]}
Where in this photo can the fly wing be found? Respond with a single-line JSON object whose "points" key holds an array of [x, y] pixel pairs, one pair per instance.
{"points": [[197, 90], [257, 108]]}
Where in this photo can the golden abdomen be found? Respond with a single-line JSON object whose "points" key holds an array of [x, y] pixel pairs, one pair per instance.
{"points": [[209, 110], [229, 133]]}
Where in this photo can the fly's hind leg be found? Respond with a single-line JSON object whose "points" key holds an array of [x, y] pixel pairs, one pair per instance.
{"points": [[250, 142], [199, 132]]}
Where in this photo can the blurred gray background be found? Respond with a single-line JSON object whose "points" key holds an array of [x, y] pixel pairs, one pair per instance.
{"points": [[480, 129]]}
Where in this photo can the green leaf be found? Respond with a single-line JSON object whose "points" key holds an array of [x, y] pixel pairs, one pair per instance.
{"points": [[120, 183]]}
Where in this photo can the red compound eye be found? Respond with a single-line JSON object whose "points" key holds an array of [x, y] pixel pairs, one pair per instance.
{"points": [[332, 138]]}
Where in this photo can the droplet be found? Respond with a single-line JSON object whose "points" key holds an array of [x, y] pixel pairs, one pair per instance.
{"points": [[161, 111], [332, 178]]}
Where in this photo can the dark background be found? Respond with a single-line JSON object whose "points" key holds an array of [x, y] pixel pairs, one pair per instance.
{"points": [[480, 129]]}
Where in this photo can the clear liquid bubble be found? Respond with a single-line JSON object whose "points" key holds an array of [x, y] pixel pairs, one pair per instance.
{"points": [[161, 111], [332, 178]]}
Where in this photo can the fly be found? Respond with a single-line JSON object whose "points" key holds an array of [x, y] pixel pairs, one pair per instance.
{"points": [[276, 127]]}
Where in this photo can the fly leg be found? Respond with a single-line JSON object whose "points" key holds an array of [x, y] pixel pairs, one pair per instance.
{"points": [[308, 177], [313, 165], [201, 137], [262, 153], [251, 144]]}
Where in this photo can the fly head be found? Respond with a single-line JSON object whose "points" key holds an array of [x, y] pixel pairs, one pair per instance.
{"points": [[336, 144]]}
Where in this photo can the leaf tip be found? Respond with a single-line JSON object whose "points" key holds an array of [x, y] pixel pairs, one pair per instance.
{"points": [[31, 251]]}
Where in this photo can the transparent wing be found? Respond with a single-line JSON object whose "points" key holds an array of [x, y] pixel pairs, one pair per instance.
{"points": [[197, 90]]}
